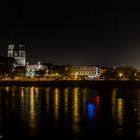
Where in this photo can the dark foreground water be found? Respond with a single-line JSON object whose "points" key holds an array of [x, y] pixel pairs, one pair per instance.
{"points": [[73, 113]]}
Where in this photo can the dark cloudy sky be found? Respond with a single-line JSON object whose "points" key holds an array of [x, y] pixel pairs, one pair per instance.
{"points": [[73, 31]]}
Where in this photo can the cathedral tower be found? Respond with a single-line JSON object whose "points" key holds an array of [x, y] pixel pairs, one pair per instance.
{"points": [[18, 52]]}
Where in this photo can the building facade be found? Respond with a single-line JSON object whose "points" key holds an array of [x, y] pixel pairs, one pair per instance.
{"points": [[18, 52], [36, 69], [89, 72]]}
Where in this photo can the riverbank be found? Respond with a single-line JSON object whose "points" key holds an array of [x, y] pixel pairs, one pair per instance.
{"points": [[73, 83]]}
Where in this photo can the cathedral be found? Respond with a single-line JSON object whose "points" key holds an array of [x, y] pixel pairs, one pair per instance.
{"points": [[18, 52]]}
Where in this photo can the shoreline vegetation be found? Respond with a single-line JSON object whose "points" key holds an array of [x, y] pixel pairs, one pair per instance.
{"points": [[73, 83]]}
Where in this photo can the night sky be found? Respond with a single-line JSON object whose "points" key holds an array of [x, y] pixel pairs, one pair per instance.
{"points": [[73, 31]]}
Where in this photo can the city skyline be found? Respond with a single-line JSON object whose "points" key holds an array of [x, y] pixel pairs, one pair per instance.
{"points": [[5, 54], [76, 32]]}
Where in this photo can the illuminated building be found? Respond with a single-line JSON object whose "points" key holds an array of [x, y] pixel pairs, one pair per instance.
{"points": [[89, 72], [18, 52], [33, 69]]}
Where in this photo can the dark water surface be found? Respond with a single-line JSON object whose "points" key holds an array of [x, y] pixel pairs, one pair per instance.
{"points": [[74, 113]]}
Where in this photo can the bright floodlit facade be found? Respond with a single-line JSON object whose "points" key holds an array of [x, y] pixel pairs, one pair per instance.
{"points": [[87, 71], [18, 52], [32, 69]]}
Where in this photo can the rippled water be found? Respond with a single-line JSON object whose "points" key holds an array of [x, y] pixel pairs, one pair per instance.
{"points": [[69, 113]]}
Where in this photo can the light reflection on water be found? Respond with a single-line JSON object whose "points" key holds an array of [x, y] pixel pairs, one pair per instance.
{"points": [[47, 105], [75, 109], [40, 110], [118, 112], [32, 109], [56, 103], [91, 111], [66, 102]]}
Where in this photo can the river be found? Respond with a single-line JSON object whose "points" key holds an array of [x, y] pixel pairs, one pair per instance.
{"points": [[74, 113]]}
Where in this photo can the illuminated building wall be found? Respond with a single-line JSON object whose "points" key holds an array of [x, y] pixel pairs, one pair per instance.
{"points": [[18, 52], [32, 68], [89, 71]]}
